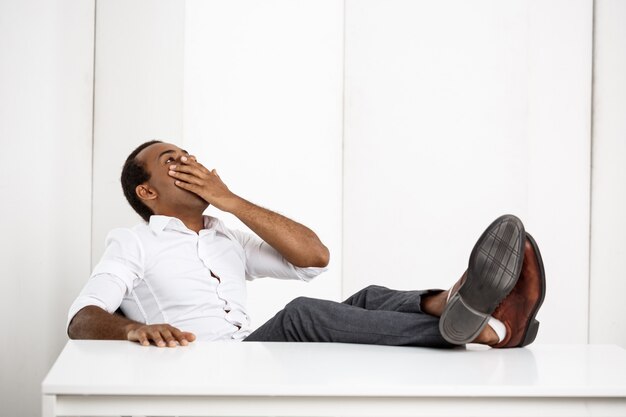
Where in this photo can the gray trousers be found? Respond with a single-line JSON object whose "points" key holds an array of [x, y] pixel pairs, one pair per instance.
{"points": [[374, 315]]}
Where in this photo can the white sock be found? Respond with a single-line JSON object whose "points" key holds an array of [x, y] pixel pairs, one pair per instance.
{"points": [[497, 327]]}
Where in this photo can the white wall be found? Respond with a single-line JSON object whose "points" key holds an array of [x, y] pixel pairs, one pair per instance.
{"points": [[435, 144], [516, 79], [457, 112], [46, 79], [161, 64], [608, 215], [138, 97], [263, 105]]}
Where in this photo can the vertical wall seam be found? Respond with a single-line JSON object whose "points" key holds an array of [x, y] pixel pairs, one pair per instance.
{"points": [[591, 142], [343, 145], [182, 94], [93, 130]]}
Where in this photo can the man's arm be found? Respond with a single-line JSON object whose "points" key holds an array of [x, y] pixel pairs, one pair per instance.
{"points": [[295, 242], [92, 322]]}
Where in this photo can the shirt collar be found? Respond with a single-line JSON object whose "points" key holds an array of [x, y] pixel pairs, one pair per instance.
{"points": [[158, 223]]}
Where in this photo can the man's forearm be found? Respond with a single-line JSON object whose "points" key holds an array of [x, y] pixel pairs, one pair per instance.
{"points": [[92, 322], [296, 242]]}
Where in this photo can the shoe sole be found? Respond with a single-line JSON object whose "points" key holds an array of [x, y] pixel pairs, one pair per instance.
{"points": [[494, 268], [533, 326]]}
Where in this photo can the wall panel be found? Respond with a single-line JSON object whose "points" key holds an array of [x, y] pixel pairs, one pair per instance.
{"points": [[559, 136], [46, 80], [263, 105], [608, 223], [138, 97], [457, 112]]}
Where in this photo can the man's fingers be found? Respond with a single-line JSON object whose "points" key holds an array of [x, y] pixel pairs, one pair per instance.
{"points": [[139, 337], [189, 187], [143, 339], [193, 169], [155, 336], [189, 336], [182, 337], [158, 341], [192, 179], [169, 339], [189, 169], [160, 335], [191, 161]]}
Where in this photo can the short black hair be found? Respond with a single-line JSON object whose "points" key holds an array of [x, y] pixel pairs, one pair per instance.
{"points": [[134, 174]]}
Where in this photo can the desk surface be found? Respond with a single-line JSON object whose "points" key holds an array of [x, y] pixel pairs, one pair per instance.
{"points": [[312, 369]]}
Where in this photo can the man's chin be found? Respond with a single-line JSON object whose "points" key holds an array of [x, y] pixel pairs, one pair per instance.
{"points": [[200, 202], [191, 200]]}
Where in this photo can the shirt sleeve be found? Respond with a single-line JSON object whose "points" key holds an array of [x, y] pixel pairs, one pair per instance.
{"points": [[262, 260], [114, 276]]}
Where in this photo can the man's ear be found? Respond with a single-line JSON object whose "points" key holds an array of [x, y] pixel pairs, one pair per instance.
{"points": [[145, 192]]}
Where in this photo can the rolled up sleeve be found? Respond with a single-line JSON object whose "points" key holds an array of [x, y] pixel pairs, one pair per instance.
{"points": [[115, 275], [262, 260]]}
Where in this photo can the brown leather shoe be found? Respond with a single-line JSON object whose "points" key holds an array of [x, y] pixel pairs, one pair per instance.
{"points": [[494, 268], [518, 310]]}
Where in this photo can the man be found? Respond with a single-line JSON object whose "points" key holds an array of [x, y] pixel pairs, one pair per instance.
{"points": [[181, 276]]}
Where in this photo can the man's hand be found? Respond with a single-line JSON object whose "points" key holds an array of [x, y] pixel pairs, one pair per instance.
{"points": [[92, 322], [192, 176], [160, 335], [295, 242]]}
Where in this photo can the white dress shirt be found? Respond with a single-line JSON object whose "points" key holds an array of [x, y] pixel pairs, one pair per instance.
{"points": [[163, 272]]}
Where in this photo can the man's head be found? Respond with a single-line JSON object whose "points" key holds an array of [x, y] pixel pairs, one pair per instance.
{"points": [[148, 187]]}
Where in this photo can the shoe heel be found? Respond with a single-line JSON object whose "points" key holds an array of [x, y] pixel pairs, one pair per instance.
{"points": [[460, 324], [533, 328]]}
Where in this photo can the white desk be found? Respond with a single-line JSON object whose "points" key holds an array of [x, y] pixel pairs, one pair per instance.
{"points": [[104, 378]]}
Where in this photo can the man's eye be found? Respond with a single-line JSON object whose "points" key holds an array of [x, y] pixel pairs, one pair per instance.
{"points": [[168, 160]]}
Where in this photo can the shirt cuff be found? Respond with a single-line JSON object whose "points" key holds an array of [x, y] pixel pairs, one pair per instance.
{"points": [[307, 274]]}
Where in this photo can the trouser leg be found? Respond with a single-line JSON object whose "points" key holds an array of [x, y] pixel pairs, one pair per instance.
{"points": [[312, 320], [376, 297]]}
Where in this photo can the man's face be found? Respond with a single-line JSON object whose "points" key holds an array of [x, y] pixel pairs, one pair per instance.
{"points": [[162, 194]]}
